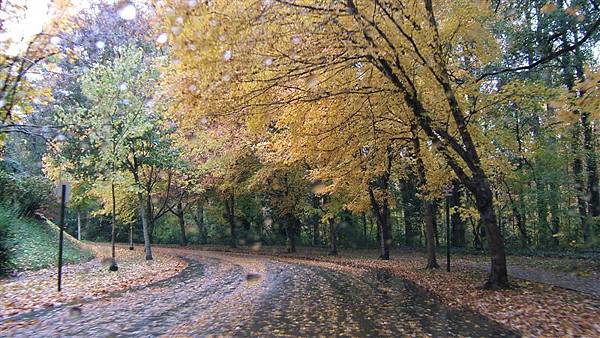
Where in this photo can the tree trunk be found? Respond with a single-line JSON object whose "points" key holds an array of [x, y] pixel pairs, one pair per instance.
{"points": [[200, 223], [458, 226], [427, 205], [290, 232], [315, 239], [411, 208], [498, 277], [429, 235], [230, 213], [592, 170], [78, 226], [113, 265], [147, 246], [382, 216], [150, 218], [580, 186], [130, 236], [364, 222], [181, 218], [333, 237]]}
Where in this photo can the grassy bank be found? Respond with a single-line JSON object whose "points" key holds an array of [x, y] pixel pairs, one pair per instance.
{"points": [[33, 244]]}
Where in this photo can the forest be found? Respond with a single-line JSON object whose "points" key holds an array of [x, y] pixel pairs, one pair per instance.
{"points": [[404, 134]]}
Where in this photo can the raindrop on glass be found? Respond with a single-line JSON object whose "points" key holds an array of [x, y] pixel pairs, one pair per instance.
{"points": [[268, 62], [312, 81], [100, 44], [162, 38], [192, 88], [296, 40], [55, 40], [227, 55], [123, 86], [127, 11]]}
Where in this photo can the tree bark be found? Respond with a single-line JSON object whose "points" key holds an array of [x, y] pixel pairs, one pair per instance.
{"points": [[411, 208], [230, 213], [427, 205], [147, 246], [592, 170], [181, 218], [290, 231], [333, 237], [113, 265], [364, 223], [78, 226], [458, 226], [130, 236], [382, 216], [200, 223]]}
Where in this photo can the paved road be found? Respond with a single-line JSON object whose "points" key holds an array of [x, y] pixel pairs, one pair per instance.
{"points": [[235, 295]]}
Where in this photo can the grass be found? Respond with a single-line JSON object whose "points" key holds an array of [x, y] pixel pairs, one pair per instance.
{"points": [[34, 244]]}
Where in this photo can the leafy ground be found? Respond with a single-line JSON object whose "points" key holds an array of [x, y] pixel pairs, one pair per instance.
{"points": [[534, 309], [218, 294], [89, 280], [229, 294], [34, 244]]}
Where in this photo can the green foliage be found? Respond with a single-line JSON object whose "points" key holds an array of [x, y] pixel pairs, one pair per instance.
{"points": [[24, 193]]}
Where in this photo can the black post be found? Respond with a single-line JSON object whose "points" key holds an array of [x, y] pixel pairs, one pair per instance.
{"points": [[448, 233], [61, 233]]}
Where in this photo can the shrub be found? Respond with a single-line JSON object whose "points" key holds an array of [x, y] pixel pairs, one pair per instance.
{"points": [[6, 242], [24, 193]]}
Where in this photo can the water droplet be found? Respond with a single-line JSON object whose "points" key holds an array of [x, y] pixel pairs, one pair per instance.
{"points": [[192, 46], [268, 61], [162, 38], [55, 40], [127, 11], [176, 30], [123, 86], [312, 81], [226, 77], [213, 22], [204, 120], [2, 103], [60, 137], [179, 20], [100, 44], [227, 55], [192, 88], [296, 40], [125, 101], [192, 3]]}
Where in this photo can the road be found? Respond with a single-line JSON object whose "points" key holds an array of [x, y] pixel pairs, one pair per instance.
{"points": [[243, 295]]}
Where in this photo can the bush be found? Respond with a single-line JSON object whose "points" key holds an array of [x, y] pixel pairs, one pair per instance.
{"points": [[6, 244]]}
